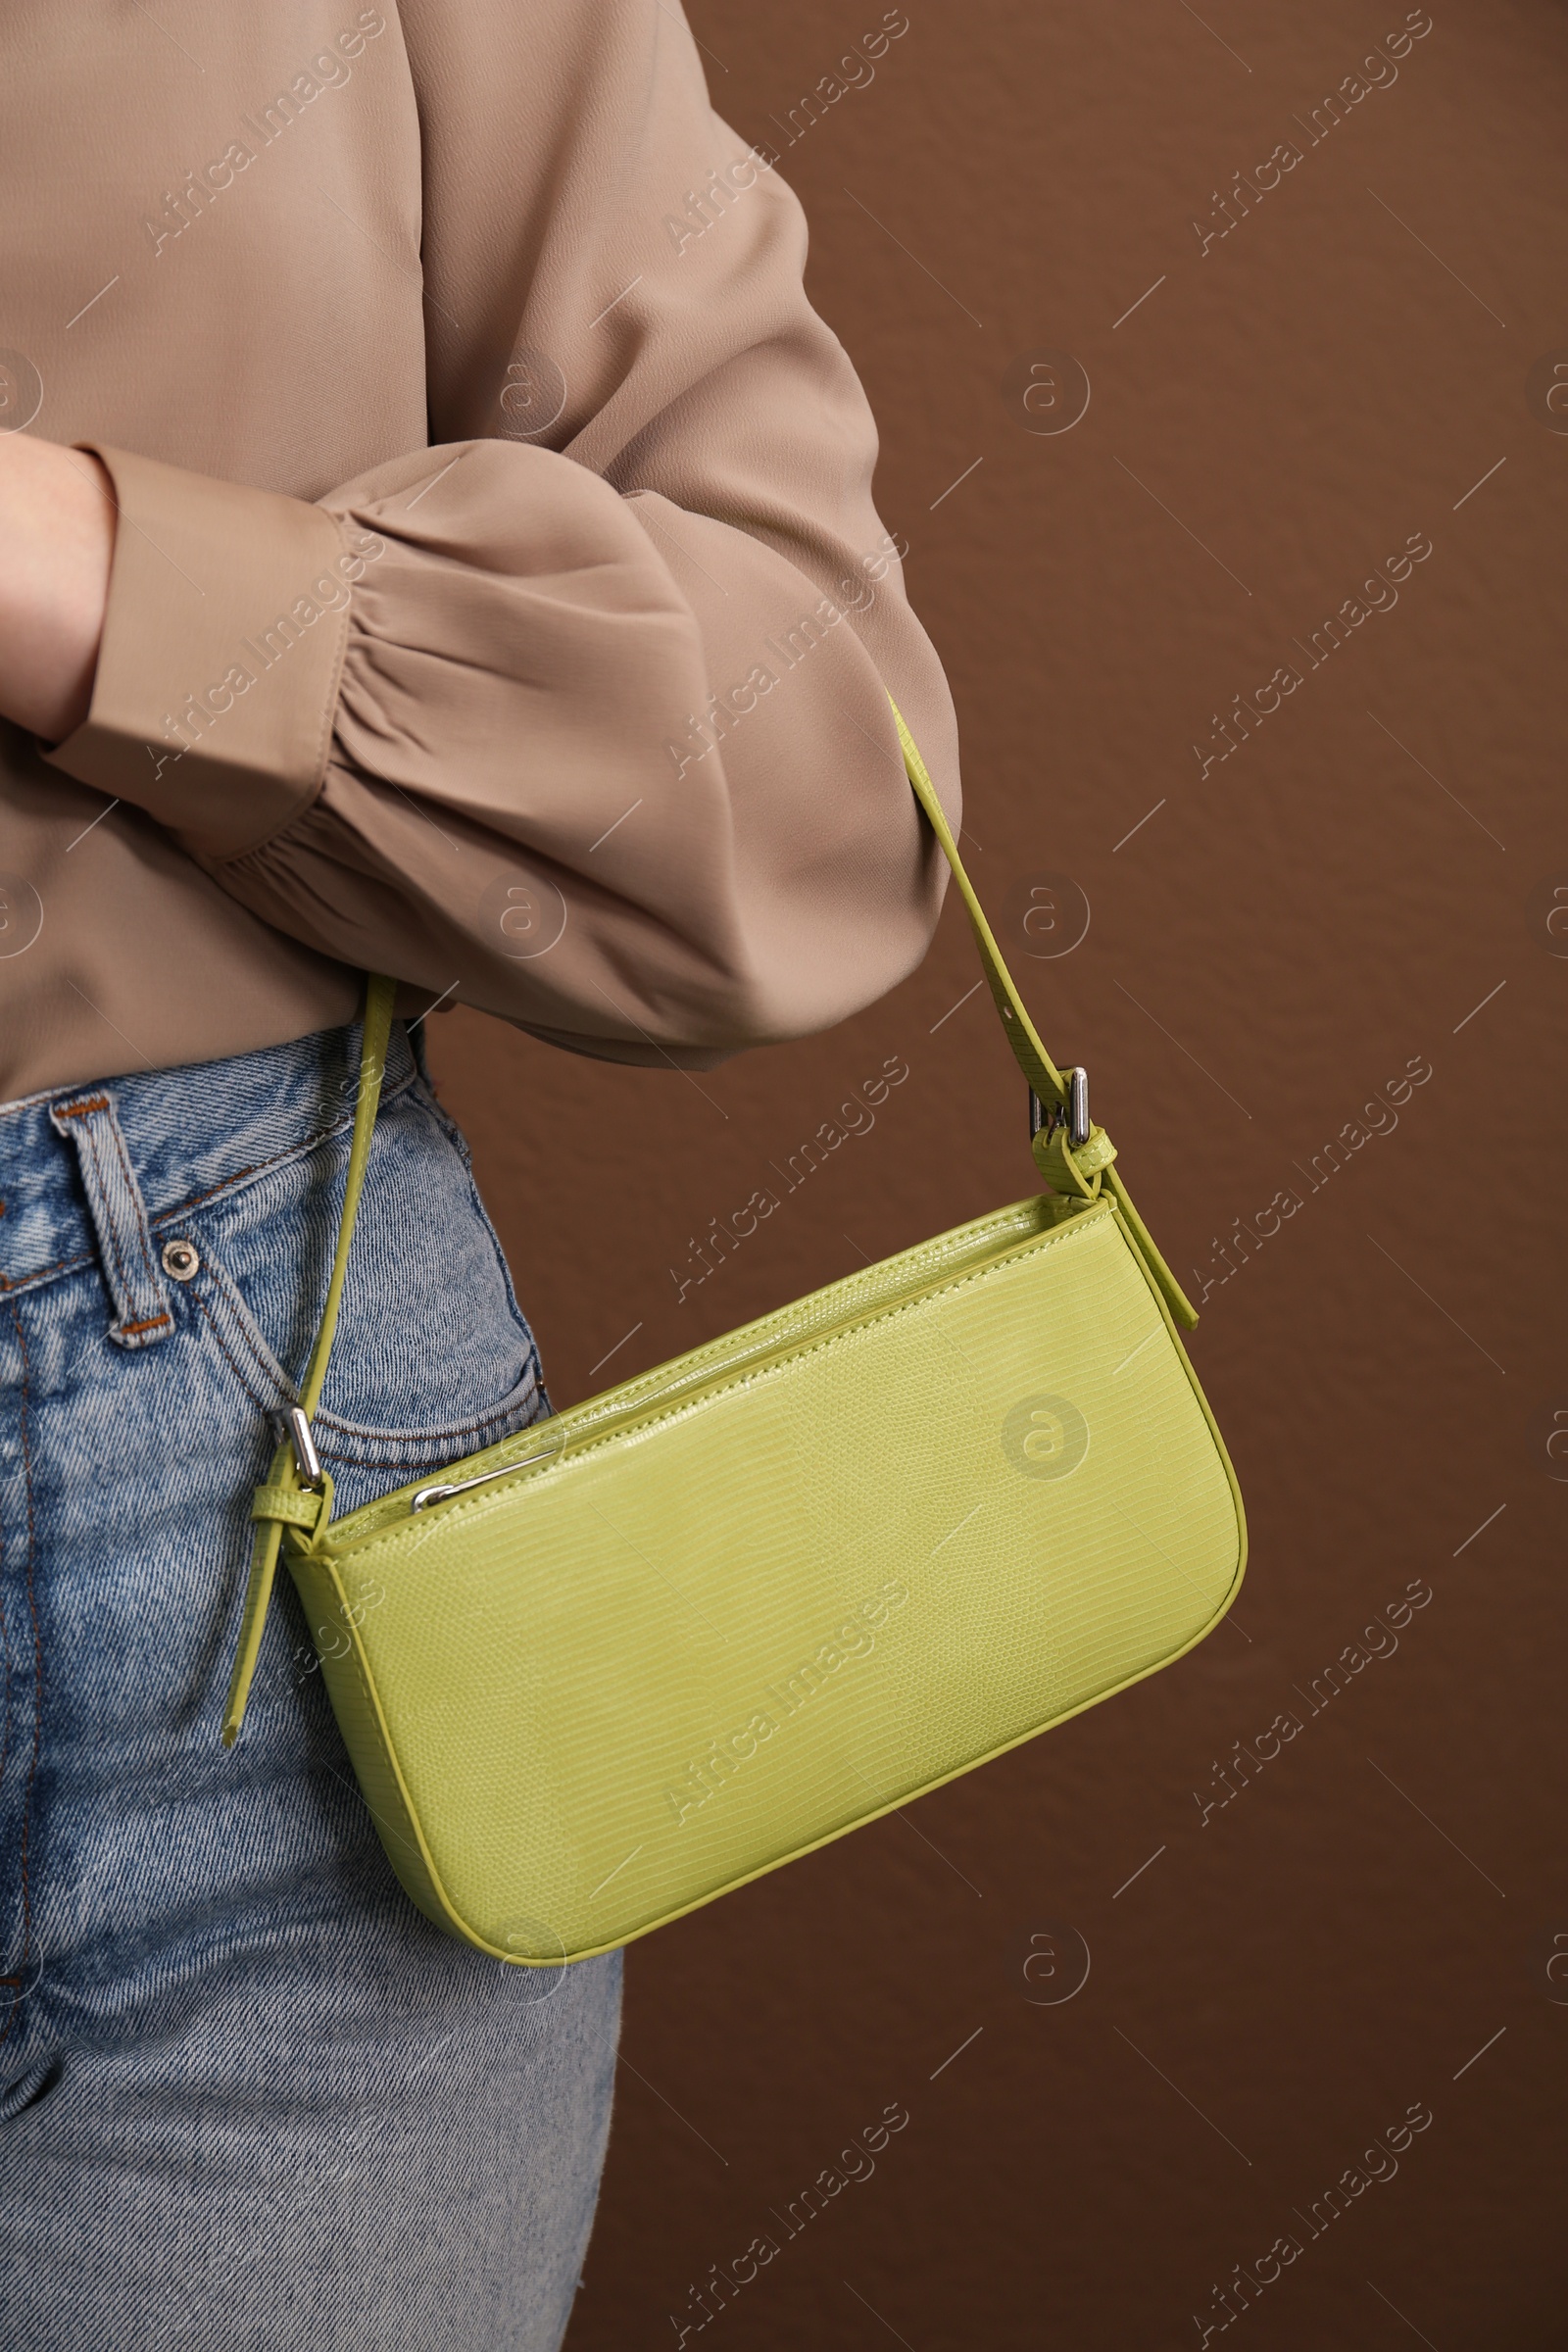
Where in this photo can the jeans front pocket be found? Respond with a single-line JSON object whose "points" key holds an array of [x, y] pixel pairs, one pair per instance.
{"points": [[432, 1358]]}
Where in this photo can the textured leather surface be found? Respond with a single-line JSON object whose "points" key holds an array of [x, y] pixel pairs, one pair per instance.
{"points": [[768, 1592]]}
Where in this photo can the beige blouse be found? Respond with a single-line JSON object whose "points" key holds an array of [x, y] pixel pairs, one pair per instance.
{"points": [[498, 600]]}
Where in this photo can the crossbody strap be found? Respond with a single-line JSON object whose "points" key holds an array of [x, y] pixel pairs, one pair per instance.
{"points": [[298, 1491]]}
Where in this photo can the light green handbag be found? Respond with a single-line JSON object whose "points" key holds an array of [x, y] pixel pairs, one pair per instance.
{"points": [[653, 1646]]}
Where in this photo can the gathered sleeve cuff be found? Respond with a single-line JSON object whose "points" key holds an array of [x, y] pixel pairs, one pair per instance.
{"points": [[221, 657]]}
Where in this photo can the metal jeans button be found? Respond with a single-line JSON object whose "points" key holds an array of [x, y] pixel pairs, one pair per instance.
{"points": [[180, 1259]]}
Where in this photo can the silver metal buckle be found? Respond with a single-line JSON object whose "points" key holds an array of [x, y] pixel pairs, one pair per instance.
{"points": [[1077, 1105], [312, 1474], [1073, 1114]]}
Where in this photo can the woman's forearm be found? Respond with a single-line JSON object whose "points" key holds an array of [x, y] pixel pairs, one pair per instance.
{"points": [[57, 536]]}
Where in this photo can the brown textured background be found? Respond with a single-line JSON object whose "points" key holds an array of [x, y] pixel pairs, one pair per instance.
{"points": [[1284, 934]]}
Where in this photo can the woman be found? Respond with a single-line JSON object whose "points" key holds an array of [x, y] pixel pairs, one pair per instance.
{"points": [[435, 537]]}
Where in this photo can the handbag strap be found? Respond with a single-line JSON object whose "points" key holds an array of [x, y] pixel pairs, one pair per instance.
{"points": [[298, 1491], [1079, 1170]]}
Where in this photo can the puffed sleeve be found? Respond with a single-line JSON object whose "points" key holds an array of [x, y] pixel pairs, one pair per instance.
{"points": [[580, 714]]}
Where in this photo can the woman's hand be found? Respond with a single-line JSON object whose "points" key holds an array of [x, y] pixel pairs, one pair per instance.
{"points": [[57, 536]]}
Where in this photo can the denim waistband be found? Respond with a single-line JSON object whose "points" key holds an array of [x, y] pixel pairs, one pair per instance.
{"points": [[187, 1134]]}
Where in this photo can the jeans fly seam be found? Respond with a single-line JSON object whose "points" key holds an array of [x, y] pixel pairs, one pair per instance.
{"points": [[37, 1657], [5, 1665]]}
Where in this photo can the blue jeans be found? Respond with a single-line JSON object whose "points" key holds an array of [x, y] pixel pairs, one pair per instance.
{"points": [[250, 2099]]}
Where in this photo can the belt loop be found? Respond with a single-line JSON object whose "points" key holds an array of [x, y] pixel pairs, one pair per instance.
{"points": [[120, 1218]]}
